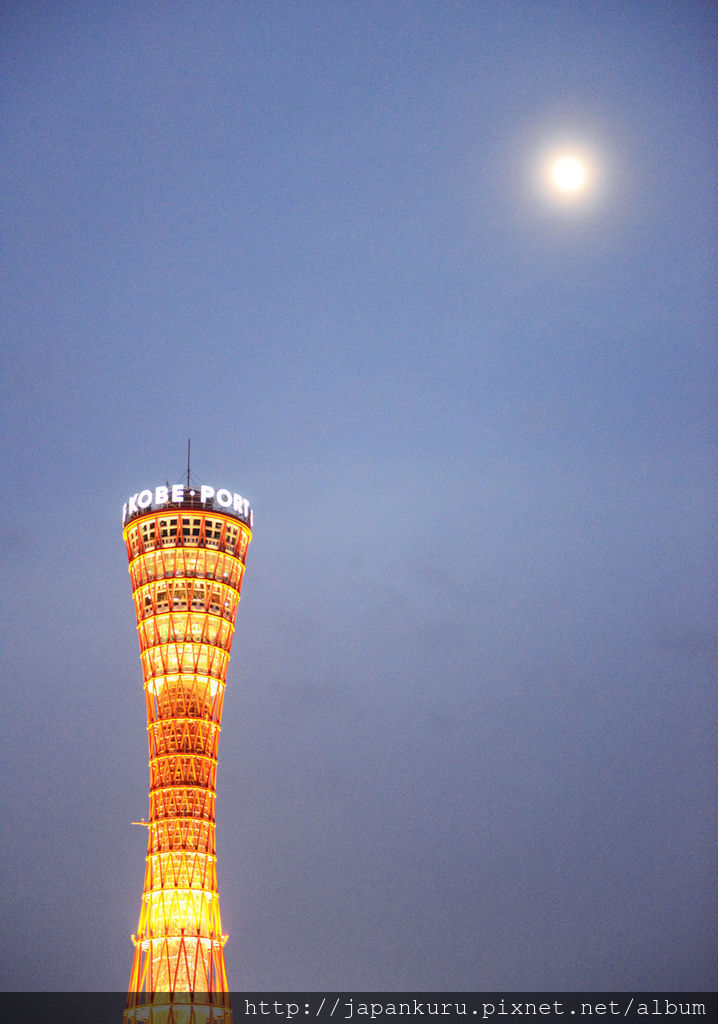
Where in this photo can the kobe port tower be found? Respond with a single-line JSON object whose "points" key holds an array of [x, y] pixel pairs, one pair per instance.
{"points": [[186, 548]]}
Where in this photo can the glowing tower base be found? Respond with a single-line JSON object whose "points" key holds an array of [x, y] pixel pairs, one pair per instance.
{"points": [[186, 552]]}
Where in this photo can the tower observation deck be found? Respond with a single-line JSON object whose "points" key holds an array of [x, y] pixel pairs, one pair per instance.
{"points": [[186, 549]]}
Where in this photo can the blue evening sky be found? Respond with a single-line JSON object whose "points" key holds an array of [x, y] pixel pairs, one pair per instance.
{"points": [[469, 732]]}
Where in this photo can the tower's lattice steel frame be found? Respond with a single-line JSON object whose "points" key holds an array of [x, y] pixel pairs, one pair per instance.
{"points": [[186, 563]]}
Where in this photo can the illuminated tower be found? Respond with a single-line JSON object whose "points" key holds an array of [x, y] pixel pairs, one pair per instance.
{"points": [[186, 549]]}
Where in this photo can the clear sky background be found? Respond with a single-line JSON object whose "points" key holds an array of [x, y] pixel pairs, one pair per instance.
{"points": [[469, 732]]}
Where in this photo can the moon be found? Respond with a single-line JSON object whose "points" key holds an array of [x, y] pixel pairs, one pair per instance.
{"points": [[569, 177], [569, 174]]}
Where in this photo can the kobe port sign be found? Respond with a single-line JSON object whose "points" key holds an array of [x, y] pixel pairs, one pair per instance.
{"points": [[178, 494]]}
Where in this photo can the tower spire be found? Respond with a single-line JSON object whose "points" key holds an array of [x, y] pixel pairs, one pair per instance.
{"points": [[188, 447]]}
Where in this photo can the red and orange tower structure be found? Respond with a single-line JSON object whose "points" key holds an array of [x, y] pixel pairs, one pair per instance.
{"points": [[186, 547]]}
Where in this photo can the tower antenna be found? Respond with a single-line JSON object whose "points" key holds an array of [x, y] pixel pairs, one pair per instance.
{"points": [[188, 445]]}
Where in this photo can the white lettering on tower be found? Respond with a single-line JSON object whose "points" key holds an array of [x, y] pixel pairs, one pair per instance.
{"points": [[165, 494]]}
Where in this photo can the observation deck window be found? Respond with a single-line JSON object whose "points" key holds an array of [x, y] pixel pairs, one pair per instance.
{"points": [[168, 530], [212, 532], [191, 529], [148, 534]]}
